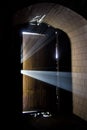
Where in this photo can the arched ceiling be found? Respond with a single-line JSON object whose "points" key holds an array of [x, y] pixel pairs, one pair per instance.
{"points": [[79, 6], [62, 18]]}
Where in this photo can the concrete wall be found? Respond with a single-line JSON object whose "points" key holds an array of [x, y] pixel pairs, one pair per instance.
{"points": [[76, 28]]}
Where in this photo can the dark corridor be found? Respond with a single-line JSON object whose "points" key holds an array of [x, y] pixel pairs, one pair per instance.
{"points": [[45, 60]]}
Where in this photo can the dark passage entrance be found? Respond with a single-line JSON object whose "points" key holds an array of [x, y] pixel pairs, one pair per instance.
{"points": [[64, 89], [46, 80]]}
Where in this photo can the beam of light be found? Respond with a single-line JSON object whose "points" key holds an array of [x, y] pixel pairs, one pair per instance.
{"points": [[29, 33], [61, 80], [29, 111], [29, 50], [57, 52], [40, 43], [45, 76], [57, 79], [57, 55]]}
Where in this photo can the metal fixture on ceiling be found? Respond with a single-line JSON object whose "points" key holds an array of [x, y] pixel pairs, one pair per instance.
{"points": [[37, 20]]}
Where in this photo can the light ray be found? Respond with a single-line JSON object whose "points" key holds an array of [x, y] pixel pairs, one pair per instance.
{"points": [[57, 79], [29, 33], [40, 43], [45, 76], [61, 80]]}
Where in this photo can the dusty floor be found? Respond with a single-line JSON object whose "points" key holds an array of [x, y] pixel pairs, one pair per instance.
{"points": [[59, 122]]}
